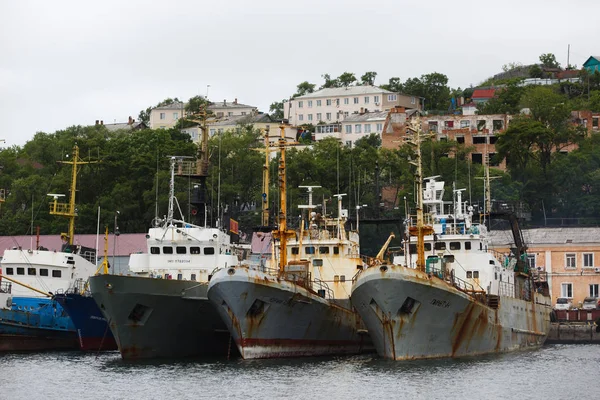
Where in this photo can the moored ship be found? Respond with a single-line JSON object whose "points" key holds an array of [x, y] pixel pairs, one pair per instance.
{"points": [[29, 318], [460, 300], [161, 309], [301, 307]]}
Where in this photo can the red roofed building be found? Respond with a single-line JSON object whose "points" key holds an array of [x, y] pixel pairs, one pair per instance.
{"points": [[482, 95]]}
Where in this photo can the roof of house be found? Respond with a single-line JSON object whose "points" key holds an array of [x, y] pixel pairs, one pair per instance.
{"points": [[548, 236], [243, 120], [213, 106], [124, 245], [173, 106], [345, 91], [228, 104], [124, 125], [366, 117], [597, 58], [483, 93]]}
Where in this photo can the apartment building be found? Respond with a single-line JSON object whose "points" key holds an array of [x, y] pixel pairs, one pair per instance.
{"points": [[333, 105], [165, 117], [568, 256]]}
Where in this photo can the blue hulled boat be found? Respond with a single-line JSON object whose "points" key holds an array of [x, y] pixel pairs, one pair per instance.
{"points": [[92, 329], [30, 319]]}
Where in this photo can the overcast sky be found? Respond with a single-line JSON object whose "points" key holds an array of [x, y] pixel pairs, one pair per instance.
{"points": [[66, 63]]}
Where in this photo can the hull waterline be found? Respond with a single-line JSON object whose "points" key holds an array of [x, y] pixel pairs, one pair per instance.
{"points": [[160, 318], [411, 315], [270, 318]]}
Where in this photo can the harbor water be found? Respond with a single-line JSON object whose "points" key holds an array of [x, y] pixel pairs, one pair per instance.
{"points": [[553, 372]]}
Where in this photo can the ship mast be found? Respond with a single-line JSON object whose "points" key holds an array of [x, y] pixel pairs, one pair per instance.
{"points": [[265, 193], [421, 229], [282, 233], [68, 209]]}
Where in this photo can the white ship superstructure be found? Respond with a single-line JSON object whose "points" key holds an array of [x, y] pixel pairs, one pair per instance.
{"points": [[449, 295], [301, 306]]}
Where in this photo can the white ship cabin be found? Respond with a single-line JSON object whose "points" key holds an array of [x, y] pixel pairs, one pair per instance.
{"points": [[459, 246], [331, 254], [50, 271], [184, 252]]}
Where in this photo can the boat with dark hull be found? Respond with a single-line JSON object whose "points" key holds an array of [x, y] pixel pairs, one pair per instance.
{"points": [[90, 325], [302, 306], [161, 309], [451, 296], [29, 318]]}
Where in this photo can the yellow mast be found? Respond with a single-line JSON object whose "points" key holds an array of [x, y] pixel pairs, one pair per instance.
{"points": [[265, 196], [421, 229], [282, 233], [64, 209]]}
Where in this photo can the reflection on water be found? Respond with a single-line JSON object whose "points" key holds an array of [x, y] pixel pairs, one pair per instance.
{"points": [[557, 371]]}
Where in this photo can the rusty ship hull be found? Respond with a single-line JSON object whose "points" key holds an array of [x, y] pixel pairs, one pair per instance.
{"points": [[413, 315], [274, 318], [160, 318]]}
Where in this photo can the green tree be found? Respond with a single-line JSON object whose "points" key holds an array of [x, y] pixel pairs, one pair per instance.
{"points": [[535, 71], [506, 101], [346, 79], [393, 85], [368, 78], [433, 87], [276, 110], [548, 60], [329, 83], [304, 88]]}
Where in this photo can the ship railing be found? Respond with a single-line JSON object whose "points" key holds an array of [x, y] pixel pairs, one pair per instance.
{"points": [[5, 287], [323, 289], [466, 287], [79, 287]]}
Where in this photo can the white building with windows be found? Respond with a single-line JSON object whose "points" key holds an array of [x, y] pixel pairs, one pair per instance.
{"points": [[357, 126], [333, 105], [165, 117]]}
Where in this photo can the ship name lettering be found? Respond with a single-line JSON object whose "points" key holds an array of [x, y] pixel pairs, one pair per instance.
{"points": [[440, 303]]}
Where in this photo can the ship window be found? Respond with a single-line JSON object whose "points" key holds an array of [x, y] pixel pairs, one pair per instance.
{"points": [[495, 275], [209, 250], [10, 271], [31, 271], [193, 277], [467, 245], [342, 278], [324, 250], [427, 246], [476, 274], [43, 272], [179, 277], [180, 250], [317, 262], [295, 250], [167, 250], [56, 273], [440, 245], [336, 250], [309, 250], [20, 271], [195, 250], [336, 278], [154, 250], [469, 274], [454, 245], [412, 248]]}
